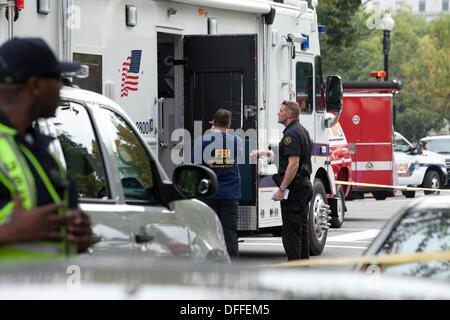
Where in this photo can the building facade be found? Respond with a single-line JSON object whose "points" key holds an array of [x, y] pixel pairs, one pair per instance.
{"points": [[429, 8]]}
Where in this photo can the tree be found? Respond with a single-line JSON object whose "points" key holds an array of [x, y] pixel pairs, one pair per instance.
{"points": [[83, 166], [346, 27], [419, 58]]}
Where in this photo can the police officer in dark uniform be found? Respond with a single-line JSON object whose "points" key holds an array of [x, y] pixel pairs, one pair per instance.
{"points": [[293, 178]]}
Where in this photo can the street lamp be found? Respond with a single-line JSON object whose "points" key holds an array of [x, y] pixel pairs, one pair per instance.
{"points": [[387, 24]]}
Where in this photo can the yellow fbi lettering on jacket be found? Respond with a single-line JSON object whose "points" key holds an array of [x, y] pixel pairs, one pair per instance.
{"points": [[222, 153], [287, 140], [222, 156]]}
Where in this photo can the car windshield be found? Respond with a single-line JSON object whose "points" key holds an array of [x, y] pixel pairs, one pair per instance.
{"points": [[401, 144], [420, 231], [438, 145]]}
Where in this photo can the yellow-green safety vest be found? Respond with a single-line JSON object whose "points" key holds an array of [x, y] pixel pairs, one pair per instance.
{"points": [[16, 175]]}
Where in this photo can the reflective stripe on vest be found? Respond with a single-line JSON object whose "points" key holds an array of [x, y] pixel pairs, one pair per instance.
{"points": [[17, 171], [15, 174]]}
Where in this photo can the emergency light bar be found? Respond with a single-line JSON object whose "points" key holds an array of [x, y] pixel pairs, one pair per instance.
{"points": [[82, 73], [378, 74], [376, 85]]}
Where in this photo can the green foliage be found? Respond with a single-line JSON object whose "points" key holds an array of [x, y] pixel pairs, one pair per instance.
{"points": [[138, 158], [79, 165], [345, 28]]}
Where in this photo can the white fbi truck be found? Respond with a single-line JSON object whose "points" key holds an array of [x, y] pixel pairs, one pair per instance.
{"points": [[172, 64]]}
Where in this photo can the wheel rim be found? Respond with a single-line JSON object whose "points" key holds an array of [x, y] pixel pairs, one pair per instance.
{"points": [[340, 209], [435, 183], [318, 201]]}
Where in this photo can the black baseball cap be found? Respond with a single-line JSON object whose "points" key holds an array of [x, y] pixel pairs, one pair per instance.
{"points": [[23, 58]]}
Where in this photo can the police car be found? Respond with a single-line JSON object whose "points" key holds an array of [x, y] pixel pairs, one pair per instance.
{"points": [[439, 144], [134, 208], [418, 167]]}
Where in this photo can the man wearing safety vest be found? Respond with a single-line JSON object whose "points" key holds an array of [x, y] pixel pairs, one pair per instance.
{"points": [[39, 218]]}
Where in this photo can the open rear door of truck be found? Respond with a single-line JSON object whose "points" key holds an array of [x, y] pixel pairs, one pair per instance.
{"points": [[221, 72]]}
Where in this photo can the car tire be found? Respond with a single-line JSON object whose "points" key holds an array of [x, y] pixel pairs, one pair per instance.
{"points": [[432, 181], [337, 206], [409, 194], [317, 236]]}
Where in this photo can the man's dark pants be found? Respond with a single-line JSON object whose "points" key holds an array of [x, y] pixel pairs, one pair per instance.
{"points": [[227, 211], [294, 212], [294, 233]]}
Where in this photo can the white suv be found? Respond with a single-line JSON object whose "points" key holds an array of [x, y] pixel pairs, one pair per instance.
{"points": [[418, 168], [441, 145], [135, 210]]}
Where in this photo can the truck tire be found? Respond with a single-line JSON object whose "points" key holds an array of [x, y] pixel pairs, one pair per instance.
{"points": [[350, 195], [276, 231], [337, 206], [380, 195], [409, 194], [432, 181], [317, 236]]}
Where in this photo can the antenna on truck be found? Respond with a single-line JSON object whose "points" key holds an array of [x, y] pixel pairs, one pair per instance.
{"points": [[12, 10]]}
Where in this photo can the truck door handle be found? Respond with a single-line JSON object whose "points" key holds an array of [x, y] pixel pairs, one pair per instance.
{"points": [[143, 237]]}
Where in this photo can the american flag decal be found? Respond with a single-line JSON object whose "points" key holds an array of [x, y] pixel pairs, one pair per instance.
{"points": [[130, 73]]}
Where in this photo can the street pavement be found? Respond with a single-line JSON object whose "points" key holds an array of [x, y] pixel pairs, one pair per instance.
{"points": [[363, 221]]}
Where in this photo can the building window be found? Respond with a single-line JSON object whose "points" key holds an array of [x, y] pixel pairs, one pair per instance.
{"points": [[422, 6], [444, 5]]}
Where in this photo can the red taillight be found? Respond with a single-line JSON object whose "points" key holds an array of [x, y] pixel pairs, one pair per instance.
{"points": [[20, 4]]}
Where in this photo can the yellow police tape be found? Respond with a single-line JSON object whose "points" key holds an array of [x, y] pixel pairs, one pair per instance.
{"points": [[388, 259], [386, 186]]}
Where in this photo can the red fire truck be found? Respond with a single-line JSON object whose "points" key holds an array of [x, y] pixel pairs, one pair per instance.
{"points": [[367, 121]]}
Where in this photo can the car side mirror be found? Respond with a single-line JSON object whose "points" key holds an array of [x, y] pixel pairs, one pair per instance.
{"points": [[335, 94], [412, 150], [195, 181], [419, 148]]}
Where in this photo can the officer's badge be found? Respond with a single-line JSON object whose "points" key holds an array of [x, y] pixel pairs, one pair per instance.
{"points": [[287, 140]]}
